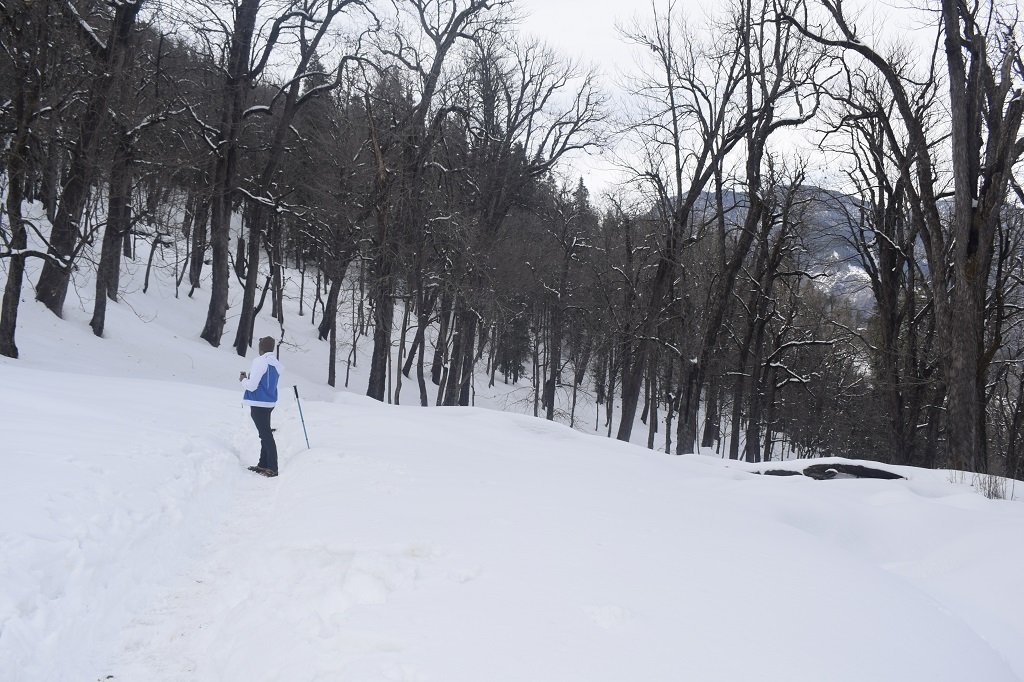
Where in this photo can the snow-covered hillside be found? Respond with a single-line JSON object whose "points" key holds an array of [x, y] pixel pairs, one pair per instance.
{"points": [[446, 544]]}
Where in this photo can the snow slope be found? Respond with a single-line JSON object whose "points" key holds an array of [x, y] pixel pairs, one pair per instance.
{"points": [[453, 545], [466, 544]]}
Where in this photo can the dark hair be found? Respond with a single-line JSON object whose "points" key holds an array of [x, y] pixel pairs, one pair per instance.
{"points": [[266, 344]]}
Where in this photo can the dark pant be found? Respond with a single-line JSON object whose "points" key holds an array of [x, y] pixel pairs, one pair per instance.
{"points": [[268, 448]]}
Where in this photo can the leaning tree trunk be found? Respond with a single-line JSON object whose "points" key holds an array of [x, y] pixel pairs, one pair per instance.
{"points": [[330, 317], [118, 223], [53, 281], [712, 418], [424, 308]]}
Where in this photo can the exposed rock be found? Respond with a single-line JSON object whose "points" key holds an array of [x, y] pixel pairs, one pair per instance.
{"points": [[824, 472]]}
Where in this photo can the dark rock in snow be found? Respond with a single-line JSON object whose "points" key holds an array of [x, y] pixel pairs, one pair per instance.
{"points": [[821, 472], [824, 472]]}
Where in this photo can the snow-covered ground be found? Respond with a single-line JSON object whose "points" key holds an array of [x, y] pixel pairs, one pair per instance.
{"points": [[445, 544]]}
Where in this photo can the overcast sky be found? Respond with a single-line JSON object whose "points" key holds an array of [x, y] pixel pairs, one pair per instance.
{"points": [[582, 28], [586, 30]]}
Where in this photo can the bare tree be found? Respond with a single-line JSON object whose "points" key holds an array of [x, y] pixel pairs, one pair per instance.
{"points": [[136, 108], [878, 223], [700, 102], [529, 109], [435, 29], [984, 73]]}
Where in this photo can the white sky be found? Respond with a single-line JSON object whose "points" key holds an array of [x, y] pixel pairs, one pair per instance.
{"points": [[587, 30]]}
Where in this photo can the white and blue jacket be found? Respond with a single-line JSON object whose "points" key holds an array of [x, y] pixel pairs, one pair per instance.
{"points": [[261, 386]]}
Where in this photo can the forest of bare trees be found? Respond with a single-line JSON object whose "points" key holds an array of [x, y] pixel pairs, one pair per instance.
{"points": [[857, 294]]}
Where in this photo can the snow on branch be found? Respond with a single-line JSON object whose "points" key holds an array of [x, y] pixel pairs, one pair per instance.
{"points": [[93, 42], [152, 120], [770, 362], [793, 377], [32, 253], [257, 109], [265, 201], [209, 132]]}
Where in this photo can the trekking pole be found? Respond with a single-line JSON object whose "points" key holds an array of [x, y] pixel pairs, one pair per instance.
{"points": [[300, 416]]}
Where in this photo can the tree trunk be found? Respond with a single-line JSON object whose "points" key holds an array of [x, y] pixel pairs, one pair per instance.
{"points": [[632, 382], [247, 315], [652, 400], [52, 288], [157, 242], [16, 263], [468, 364], [25, 101], [241, 259], [414, 350], [381, 291], [328, 329], [424, 308], [712, 417], [198, 252], [225, 167], [276, 257], [51, 175], [332, 354], [401, 351], [442, 339], [118, 223], [965, 412], [769, 422], [420, 378], [554, 360], [738, 396], [462, 344], [536, 372], [686, 428], [330, 317]]}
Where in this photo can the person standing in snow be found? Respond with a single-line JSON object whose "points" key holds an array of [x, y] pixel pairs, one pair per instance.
{"points": [[260, 386]]}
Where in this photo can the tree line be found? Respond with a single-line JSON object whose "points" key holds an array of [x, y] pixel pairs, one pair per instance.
{"points": [[425, 148]]}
